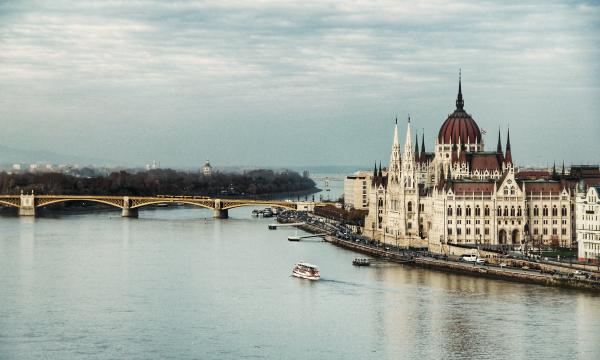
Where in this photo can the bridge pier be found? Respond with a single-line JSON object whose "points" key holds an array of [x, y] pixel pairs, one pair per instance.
{"points": [[220, 214], [27, 207], [130, 213]]}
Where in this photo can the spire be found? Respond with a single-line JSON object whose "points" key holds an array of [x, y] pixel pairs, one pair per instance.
{"points": [[396, 133], [380, 174], [562, 173], [460, 103], [423, 146], [408, 143], [508, 157], [417, 158], [375, 171], [554, 170], [499, 147]]}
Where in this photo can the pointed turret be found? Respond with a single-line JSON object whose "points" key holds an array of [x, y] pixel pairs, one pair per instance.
{"points": [[408, 149], [508, 155], [554, 174], [417, 154], [380, 174], [460, 103], [395, 162], [423, 156], [562, 172], [499, 147]]}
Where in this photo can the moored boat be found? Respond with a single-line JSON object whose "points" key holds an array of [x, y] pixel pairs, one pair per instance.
{"points": [[361, 262], [306, 271]]}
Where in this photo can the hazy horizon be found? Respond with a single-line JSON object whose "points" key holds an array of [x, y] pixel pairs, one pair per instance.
{"points": [[303, 84]]}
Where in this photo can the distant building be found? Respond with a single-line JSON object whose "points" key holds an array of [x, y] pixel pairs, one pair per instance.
{"points": [[16, 167], [305, 174], [588, 224], [207, 169], [356, 191]]}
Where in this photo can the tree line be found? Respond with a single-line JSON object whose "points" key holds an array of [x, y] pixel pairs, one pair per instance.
{"points": [[157, 182]]}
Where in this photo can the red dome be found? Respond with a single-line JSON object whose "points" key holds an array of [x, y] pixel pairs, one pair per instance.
{"points": [[459, 125]]}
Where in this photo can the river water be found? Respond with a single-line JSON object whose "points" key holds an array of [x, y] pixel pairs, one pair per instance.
{"points": [[174, 285]]}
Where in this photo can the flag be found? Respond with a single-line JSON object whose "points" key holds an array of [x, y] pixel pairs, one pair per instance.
{"points": [[483, 131]]}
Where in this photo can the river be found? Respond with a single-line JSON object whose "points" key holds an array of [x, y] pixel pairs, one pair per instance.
{"points": [[176, 284]]}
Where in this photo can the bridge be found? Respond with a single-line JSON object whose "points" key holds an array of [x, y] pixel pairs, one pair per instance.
{"points": [[129, 205]]}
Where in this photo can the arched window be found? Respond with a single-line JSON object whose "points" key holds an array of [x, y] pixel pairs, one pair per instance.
{"points": [[554, 211], [527, 211], [512, 190], [477, 211], [499, 211], [458, 211], [409, 206], [468, 211], [519, 213], [536, 211], [506, 211], [545, 211], [505, 191], [486, 211], [512, 211], [380, 202], [449, 210], [563, 211]]}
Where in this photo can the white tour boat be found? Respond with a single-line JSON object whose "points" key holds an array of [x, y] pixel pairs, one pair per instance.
{"points": [[306, 271]]}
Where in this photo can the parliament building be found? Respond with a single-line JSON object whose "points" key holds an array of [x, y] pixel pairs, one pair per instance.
{"points": [[463, 193]]}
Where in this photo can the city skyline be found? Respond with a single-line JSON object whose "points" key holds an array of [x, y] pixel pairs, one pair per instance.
{"points": [[238, 83]]}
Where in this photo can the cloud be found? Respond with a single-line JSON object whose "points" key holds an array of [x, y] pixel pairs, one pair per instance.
{"points": [[182, 60]]}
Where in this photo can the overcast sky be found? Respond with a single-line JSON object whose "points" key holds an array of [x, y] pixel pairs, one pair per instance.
{"points": [[295, 83]]}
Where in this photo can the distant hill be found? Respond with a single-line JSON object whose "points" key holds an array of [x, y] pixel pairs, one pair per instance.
{"points": [[9, 155]]}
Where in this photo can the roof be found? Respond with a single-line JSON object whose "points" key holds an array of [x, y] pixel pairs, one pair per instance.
{"points": [[301, 263], [542, 186], [470, 187], [484, 161]]}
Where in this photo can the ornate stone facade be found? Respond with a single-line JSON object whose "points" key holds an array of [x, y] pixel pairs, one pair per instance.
{"points": [[462, 194]]}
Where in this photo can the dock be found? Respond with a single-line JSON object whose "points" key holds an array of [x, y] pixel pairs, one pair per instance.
{"points": [[276, 225], [298, 238]]}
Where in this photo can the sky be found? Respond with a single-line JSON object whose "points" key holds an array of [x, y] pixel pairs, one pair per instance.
{"points": [[295, 83]]}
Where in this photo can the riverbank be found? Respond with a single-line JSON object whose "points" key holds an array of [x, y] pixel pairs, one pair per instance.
{"points": [[446, 264]]}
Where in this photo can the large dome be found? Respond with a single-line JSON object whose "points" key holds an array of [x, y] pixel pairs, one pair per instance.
{"points": [[459, 125]]}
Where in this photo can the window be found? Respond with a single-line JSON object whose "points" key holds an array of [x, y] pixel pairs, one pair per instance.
{"points": [[536, 211], [477, 211], [564, 231], [449, 231], [486, 211], [554, 231], [458, 211], [409, 225], [506, 211], [477, 231], [468, 231], [563, 211], [468, 211], [545, 231], [512, 190], [486, 231], [512, 211], [554, 211], [535, 231], [409, 206], [499, 211], [519, 212], [545, 211], [458, 231], [449, 210]]}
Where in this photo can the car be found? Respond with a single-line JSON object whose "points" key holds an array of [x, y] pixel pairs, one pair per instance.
{"points": [[525, 267], [480, 261], [502, 265]]}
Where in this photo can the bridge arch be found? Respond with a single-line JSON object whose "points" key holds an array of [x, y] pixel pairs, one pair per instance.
{"points": [[205, 206], [8, 204], [106, 202], [290, 206]]}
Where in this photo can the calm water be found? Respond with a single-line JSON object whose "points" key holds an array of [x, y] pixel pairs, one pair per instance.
{"points": [[172, 285]]}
